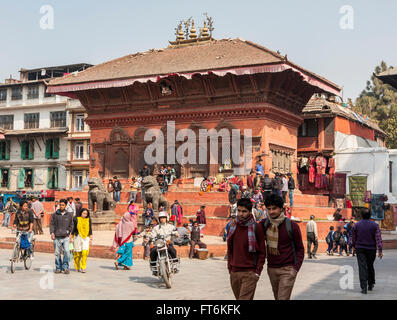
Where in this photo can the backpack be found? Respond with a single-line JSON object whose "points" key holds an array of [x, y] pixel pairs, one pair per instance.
{"points": [[24, 244], [337, 236], [289, 231], [342, 241], [328, 238]]}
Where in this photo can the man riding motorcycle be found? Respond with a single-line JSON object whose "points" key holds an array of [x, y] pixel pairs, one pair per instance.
{"points": [[166, 230]]}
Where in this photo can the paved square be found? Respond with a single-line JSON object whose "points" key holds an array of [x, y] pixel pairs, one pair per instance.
{"points": [[203, 280]]}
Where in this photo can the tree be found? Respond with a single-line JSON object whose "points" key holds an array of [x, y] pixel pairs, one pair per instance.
{"points": [[379, 101]]}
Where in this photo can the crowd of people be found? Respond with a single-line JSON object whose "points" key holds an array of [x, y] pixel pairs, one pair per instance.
{"points": [[260, 229]]}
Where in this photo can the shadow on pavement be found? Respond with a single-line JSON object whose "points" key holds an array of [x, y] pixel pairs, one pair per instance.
{"points": [[151, 282]]}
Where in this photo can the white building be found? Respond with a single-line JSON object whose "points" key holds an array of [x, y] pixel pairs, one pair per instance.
{"points": [[34, 150], [378, 164]]}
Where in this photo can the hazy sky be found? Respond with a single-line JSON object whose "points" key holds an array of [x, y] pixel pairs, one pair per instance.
{"points": [[308, 31]]}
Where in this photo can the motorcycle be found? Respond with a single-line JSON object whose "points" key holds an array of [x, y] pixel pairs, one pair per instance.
{"points": [[165, 266]]}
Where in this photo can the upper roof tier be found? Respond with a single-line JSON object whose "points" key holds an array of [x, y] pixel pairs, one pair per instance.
{"points": [[235, 56]]}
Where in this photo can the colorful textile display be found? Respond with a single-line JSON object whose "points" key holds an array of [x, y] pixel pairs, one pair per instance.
{"points": [[377, 212], [357, 188], [312, 171], [388, 222], [321, 165], [367, 196], [338, 185]]}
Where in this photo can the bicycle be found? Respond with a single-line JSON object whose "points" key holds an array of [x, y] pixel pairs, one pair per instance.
{"points": [[21, 254]]}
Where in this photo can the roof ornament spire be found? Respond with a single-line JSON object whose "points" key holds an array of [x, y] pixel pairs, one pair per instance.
{"points": [[193, 34], [189, 35]]}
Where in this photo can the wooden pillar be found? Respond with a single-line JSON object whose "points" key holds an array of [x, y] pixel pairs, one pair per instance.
{"points": [[321, 134]]}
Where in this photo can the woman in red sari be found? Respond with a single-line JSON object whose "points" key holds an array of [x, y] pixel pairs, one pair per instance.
{"points": [[123, 241]]}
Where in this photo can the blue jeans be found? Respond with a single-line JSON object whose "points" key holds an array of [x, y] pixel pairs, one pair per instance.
{"points": [[117, 196], [330, 246], [6, 221], [133, 195], [148, 221], [291, 197], [61, 244]]}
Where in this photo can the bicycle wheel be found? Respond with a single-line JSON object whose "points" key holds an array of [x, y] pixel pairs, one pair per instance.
{"points": [[27, 261], [15, 257]]}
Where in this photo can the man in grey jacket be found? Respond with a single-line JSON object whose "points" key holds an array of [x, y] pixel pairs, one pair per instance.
{"points": [[61, 227]]}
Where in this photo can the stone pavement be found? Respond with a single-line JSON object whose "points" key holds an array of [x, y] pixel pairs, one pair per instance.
{"points": [[198, 280]]}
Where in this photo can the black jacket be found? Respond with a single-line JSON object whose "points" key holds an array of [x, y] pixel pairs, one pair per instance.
{"points": [[117, 185], [267, 183], [233, 195], [61, 225], [145, 172], [291, 183]]}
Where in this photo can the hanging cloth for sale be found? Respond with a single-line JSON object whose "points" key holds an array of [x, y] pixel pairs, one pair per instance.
{"points": [[318, 181], [312, 171], [321, 163]]}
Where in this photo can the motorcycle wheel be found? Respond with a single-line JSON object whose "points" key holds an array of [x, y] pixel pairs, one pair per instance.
{"points": [[164, 274]]}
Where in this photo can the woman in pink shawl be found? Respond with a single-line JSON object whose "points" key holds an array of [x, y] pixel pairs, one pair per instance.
{"points": [[123, 240]]}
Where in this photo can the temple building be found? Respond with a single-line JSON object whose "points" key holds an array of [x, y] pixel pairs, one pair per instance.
{"points": [[198, 83]]}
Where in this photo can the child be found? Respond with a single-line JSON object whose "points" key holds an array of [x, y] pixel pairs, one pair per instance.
{"points": [[148, 214], [343, 244], [145, 243], [82, 238], [330, 240]]}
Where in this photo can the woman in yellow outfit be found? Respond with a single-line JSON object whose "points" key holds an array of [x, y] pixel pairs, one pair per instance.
{"points": [[82, 238]]}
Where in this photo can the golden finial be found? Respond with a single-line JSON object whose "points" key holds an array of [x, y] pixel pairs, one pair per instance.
{"points": [[193, 34], [180, 36], [204, 32]]}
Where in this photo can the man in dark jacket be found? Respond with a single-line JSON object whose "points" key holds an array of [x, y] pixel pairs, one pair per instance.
{"points": [[277, 184], [117, 189], [267, 186], [291, 188], [145, 171], [61, 227], [246, 252], [284, 255], [366, 239]]}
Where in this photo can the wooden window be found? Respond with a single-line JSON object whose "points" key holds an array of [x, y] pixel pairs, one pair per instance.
{"points": [[309, 128], [27, 150], [16, 93], [5, 147], [5, 178], [79, 150], [79, 124], [58, 119], [7, 122], [52, 148], [3, 94], [32, 120], [33, 92], [52, 179]]}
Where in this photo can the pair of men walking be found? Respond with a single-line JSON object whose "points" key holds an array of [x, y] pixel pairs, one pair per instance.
{"points": [[247, 250]]}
